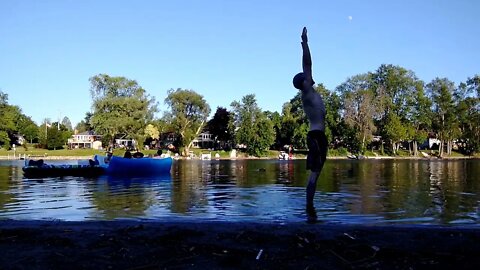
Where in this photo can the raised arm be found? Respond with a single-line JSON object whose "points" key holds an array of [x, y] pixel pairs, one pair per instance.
{"points": [[307, 59]]}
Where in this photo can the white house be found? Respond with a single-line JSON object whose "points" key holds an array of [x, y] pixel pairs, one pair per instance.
{"points": [[432, 141], [123, 141], [86, 139], [204, 140]]}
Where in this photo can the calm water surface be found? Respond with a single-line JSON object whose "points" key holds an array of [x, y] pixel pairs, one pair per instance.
{"points": [[349, 192]]}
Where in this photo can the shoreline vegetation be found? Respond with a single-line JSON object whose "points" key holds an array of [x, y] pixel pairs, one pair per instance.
{"points": [[79, 154], [389, 108]]}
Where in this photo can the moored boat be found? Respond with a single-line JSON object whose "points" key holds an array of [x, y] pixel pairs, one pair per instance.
{"points": [[117, 166], [139, 166], [62, 170]]}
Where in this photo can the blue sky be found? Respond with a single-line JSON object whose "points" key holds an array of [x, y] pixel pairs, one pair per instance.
{"points": [[222, 49]]}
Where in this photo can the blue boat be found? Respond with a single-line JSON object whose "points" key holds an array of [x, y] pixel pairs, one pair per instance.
{"points": [[139, 166]]}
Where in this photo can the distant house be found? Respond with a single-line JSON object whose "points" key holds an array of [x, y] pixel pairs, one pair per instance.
{"points": [[167, 140], [20, 140], [124, 142], [204, 140], [433, 143], [87, 139]]}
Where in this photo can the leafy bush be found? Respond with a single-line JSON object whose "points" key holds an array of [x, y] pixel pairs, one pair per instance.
{"points": [[339, 152]]}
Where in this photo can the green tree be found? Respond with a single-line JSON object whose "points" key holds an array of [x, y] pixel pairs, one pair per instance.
{"points": [[395, 130], [66, 133], [396, 84], [188, 115], [299, 138], [120, 106], [4, 139], [84, 125], [286, 129], [152, 132], [473, 84], [67, 123], [444, 122], [27, 128], [394, 88], [420, 116], [276, 120], [55, 139], [473, 133], [360, 107], [219, 126], [43, 132], [163, 125], [8, 121], [254, 129], [53, 136], [333, 119], [7, 125], [295, 123], [468, 115]]}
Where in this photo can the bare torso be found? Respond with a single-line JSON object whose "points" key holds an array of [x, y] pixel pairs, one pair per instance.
{"points": [[314, 108]]}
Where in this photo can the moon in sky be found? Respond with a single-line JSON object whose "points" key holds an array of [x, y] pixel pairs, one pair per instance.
{"points": [[350, 18]]}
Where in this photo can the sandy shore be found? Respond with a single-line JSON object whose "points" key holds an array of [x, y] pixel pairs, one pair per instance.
{"points": [[224, 245]]}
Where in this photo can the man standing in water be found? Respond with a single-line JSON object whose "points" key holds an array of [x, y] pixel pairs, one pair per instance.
{"points": [[315, 110]]}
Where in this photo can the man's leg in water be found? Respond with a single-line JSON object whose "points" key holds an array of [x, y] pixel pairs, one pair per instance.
{"points": [[311, 188], [317, 155]]}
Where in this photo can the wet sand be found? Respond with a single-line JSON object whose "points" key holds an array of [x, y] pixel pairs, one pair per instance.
{"points": [[225, 245]]}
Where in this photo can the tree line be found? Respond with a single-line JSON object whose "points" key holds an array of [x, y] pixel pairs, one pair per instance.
{"points": [[390, 104], [14, 123]]}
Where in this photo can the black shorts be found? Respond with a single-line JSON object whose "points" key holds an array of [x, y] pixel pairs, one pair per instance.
{"points": [[317, 150]]}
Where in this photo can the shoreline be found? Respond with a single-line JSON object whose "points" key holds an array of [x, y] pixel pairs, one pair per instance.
{"points": [[235, 245], [258, 158]]}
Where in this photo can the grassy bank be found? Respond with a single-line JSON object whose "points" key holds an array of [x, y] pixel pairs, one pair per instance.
{"points": [[271, 154]]}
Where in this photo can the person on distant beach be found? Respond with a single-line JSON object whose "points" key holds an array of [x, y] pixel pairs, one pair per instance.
{"points": [[158, 154], [94, 162], [127, 154], [108, 157], [314, 108], [137, 154]]}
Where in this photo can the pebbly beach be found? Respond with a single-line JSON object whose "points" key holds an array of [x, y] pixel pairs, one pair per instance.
{"points": [[233, 245]]}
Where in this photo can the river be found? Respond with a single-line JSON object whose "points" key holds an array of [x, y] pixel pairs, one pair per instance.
{"points": [[377, 192]]}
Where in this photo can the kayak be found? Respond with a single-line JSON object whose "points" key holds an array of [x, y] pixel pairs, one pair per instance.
{"points": [[139, 166]]}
